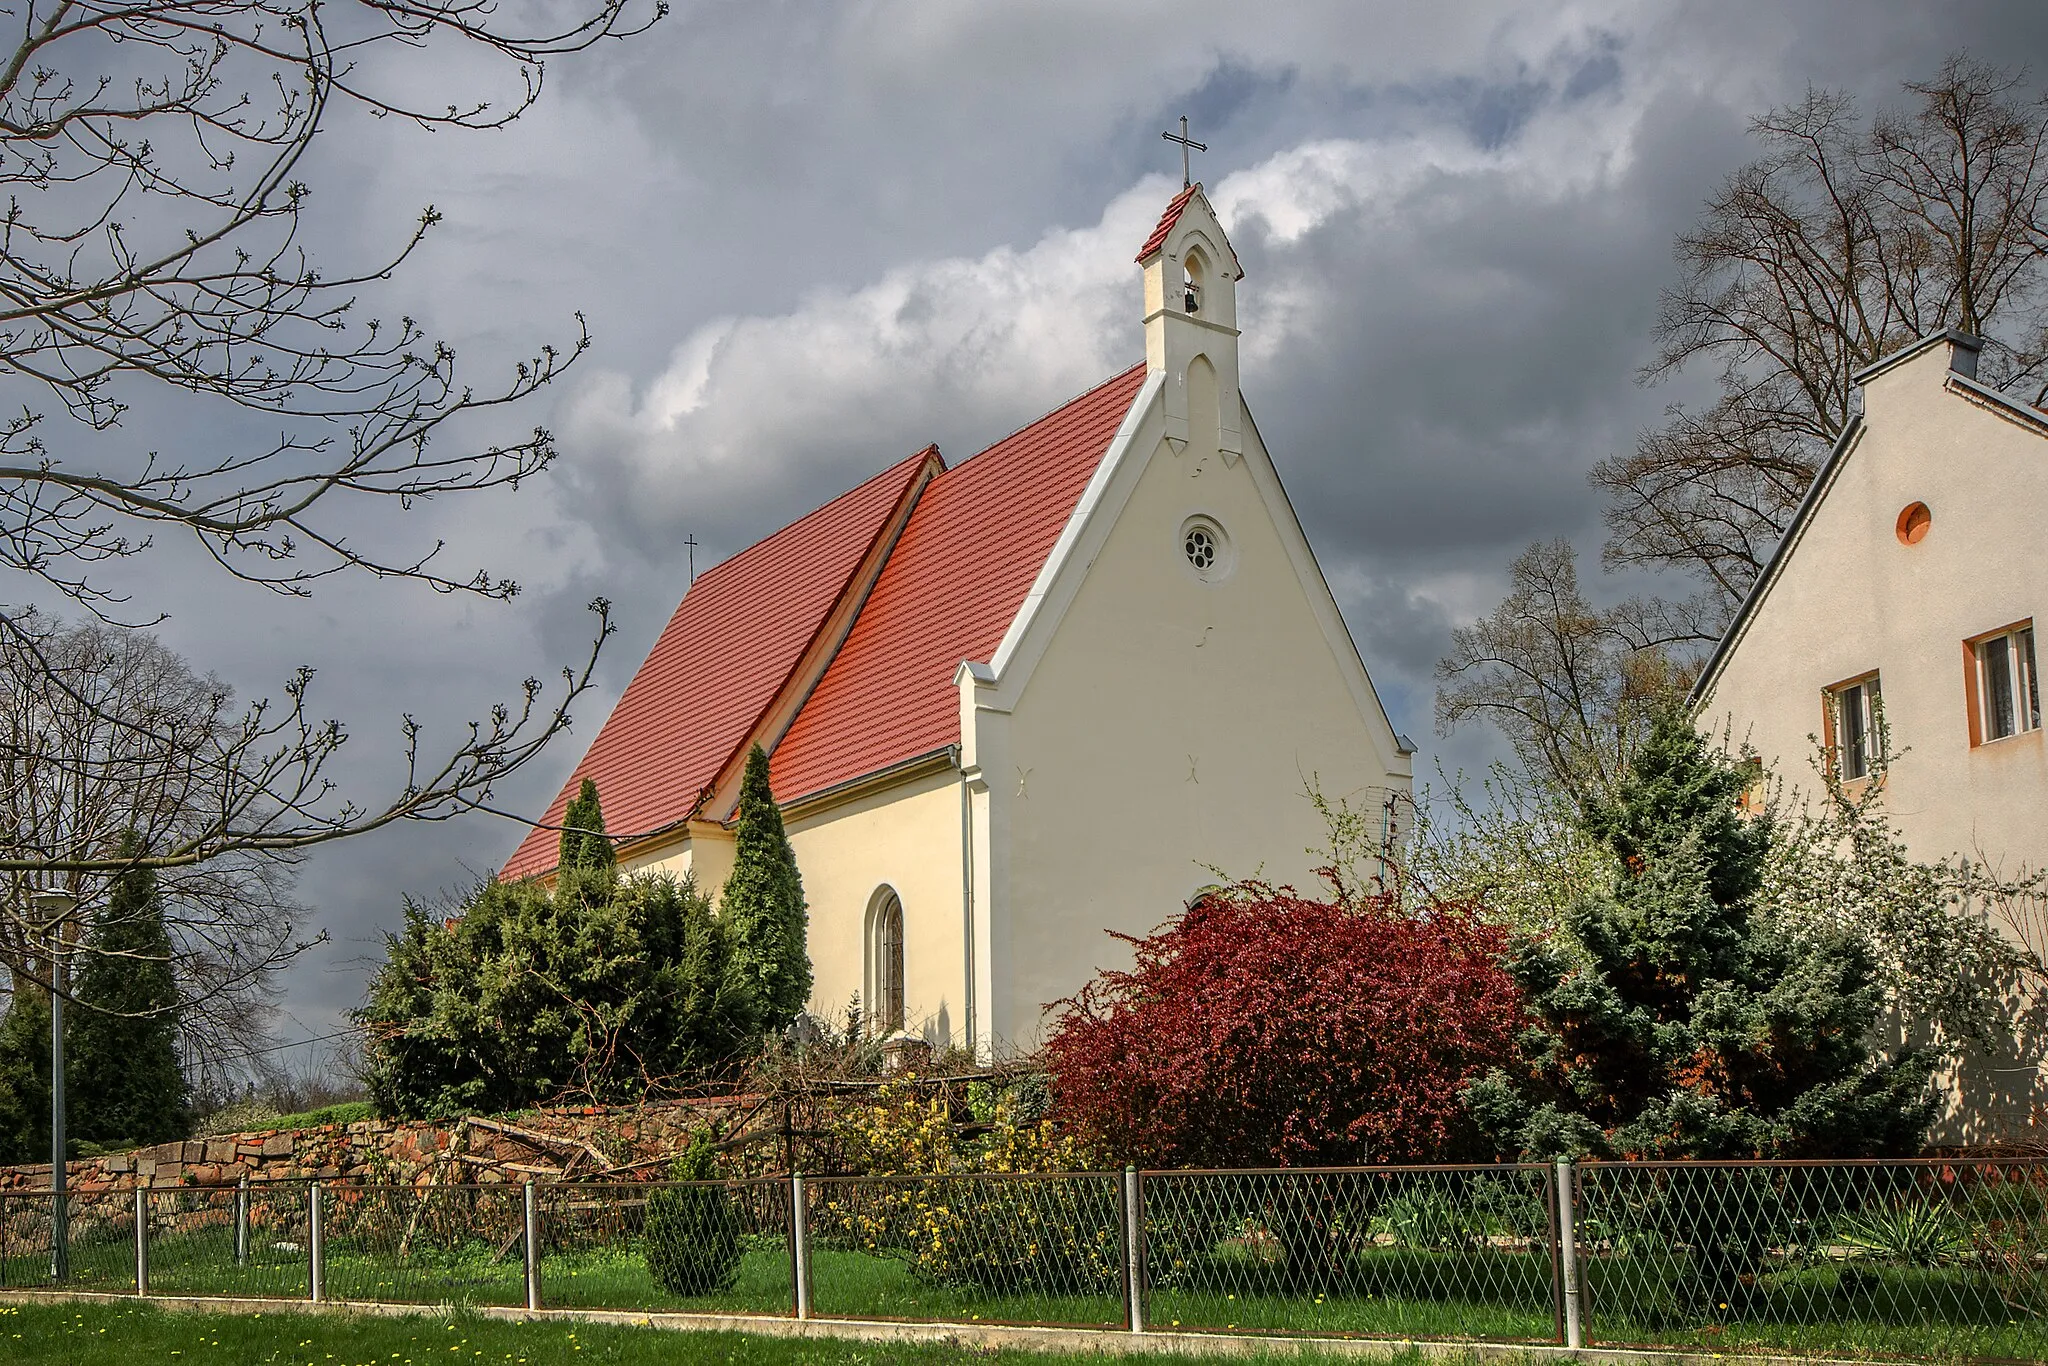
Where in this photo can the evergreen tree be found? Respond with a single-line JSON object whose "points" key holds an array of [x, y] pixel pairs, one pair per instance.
{"points": [[121, 1045], [692, 1243], [25, 1078], [584, 845], [1684, 1020], [606, 989], [763, 908]]}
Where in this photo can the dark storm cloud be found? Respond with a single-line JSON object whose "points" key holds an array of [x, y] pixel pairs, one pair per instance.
{"points": [[811, 239]]}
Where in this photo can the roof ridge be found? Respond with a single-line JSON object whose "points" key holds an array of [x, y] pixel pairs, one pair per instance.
{"points": [[930, 449], [953, 584], [721, 658], [1168, 219]]}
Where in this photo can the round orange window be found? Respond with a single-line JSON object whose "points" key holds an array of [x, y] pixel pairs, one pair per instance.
{"points": [[1913, 523]]}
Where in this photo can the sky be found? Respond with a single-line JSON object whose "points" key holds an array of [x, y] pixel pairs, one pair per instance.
{"points": [[809, 240]]}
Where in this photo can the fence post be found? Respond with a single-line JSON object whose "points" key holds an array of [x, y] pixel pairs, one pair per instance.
{"points": [[1568, 1252], [532, 1249], [318, 1242], [1134, 1248], [800, 1243], [242, 1222], [141, 1239]]}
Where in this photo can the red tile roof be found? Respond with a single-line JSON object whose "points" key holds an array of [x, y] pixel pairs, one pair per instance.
{"points": [[955, 580], [1166, 222], [720, 663]]}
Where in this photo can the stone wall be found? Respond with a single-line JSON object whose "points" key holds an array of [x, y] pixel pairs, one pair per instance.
{"points": [[624, 1143]]}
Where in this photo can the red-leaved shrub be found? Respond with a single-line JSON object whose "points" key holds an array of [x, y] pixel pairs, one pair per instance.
{"points": [[1264, 1028]]}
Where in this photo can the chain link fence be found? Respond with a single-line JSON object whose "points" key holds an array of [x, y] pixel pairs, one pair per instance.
{"points": [[1451, 1252], [240, 1241], [1930, 1259], [1015, 1248], [1916, 1258], [707, 1246]]}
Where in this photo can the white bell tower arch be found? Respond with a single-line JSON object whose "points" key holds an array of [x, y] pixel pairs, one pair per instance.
{"points": [[1191, 276]]}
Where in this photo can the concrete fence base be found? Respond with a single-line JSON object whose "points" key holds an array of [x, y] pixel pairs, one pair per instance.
{"points": [[981, 1336]]}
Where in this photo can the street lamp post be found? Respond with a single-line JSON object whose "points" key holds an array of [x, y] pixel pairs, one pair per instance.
{"points": [[56, 905]]}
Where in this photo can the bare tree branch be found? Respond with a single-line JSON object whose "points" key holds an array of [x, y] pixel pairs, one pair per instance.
{"points": [[1839, 244], [1573, 688]]}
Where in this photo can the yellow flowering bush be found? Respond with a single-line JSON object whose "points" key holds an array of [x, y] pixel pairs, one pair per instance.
{"points": [[988, 1209]]}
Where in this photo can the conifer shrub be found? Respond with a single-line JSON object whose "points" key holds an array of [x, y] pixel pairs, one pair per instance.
{"points": [[25, 1079], [763, 910], [583, 844], [605, 988], [1676, 1018], [127, 1086], [691, 1237]]}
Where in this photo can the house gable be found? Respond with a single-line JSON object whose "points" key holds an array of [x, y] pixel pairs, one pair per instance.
{"points": [[1849, 594]]}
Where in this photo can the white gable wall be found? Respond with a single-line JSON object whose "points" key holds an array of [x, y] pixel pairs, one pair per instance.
{"points": [[1142, 724]]}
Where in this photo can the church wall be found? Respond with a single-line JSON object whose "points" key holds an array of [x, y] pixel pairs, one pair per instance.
{"points": [[1851, 598], [1170, 724], [708, 857], [907, 837]]}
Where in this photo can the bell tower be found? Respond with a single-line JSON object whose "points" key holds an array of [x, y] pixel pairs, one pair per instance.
{"points": [[1191, 277]]}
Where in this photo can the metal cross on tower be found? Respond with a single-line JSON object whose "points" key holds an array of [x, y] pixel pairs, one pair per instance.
{"points": [[1186, 143], [691, 541]]}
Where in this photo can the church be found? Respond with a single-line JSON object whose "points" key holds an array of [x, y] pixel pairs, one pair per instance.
{"points": [[1019, 704]]}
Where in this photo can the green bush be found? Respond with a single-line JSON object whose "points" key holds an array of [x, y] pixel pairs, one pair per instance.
{"points": [[1429, 1219], [1020, 1236], [341, 1112], [691, 1238], [1910, 1234]]}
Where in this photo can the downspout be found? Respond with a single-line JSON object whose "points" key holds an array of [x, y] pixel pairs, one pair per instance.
{"points": [[967, 898]]}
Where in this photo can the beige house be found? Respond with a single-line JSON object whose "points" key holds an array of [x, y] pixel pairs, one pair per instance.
{"points": [[1020, 702], [1898, 617]]}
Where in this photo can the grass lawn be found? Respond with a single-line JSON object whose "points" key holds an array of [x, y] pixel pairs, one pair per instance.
{"points": [[1832, 1309], [97, 1335]]}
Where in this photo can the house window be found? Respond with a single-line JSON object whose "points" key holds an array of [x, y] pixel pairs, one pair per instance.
{"points": [[2008, 693], [1855, 724], [885, 954]]}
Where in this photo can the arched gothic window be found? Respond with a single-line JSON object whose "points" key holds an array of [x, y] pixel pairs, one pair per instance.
{"points": [[885, 954]]}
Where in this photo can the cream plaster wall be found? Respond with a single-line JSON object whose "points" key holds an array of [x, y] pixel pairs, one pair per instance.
{"points": [[708, 855], [908, 837], [1170, 723], [1850, 598]]}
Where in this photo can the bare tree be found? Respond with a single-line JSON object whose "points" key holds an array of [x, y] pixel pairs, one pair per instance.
{"points": [[1572, 687], [1841, 243], [153, 248], [109, 740]]}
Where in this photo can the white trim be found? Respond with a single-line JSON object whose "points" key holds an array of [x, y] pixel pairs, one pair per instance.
{"points": [[1961, 340], [1113, 461]]}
